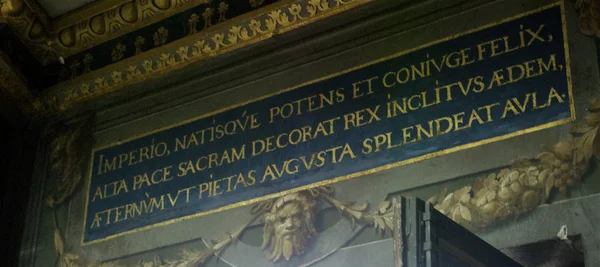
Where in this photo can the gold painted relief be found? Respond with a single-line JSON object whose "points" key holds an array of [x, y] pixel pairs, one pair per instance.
{"points": [[193, 23], [139, 41], [256, 3], [223, 7]]}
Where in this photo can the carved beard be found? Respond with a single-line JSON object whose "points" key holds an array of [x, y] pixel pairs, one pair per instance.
{"points": [[288, 226], [287, 245]]}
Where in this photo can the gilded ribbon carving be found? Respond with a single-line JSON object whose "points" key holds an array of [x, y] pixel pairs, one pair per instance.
{"points": [[528, 182]]}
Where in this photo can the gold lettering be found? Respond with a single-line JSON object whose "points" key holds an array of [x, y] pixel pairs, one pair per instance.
{"points": [[407, 135]]}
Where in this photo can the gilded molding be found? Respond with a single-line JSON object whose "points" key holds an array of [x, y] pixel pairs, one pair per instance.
{"points": [[80, 35], [233, 34]]}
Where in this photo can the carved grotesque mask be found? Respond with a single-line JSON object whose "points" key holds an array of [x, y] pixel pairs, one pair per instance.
{"points": [[289, 225]]}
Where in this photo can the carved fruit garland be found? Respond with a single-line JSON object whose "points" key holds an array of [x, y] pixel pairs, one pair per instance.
{"points": [[528, 182]]}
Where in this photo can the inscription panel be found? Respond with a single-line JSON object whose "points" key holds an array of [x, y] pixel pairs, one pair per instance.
{"points": [[488, 84]]}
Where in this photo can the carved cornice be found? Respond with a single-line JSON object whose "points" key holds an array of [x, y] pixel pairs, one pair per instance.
{"points": [[233, 34], [32, 25], [73, 33], [199, 45]]}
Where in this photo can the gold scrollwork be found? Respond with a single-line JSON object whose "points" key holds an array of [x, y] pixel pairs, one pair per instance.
{"points": [[240, 34]]}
